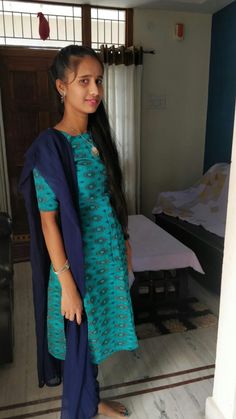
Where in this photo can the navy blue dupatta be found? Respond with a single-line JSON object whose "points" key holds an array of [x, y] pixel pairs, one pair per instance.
{"points": [[52, 155]]}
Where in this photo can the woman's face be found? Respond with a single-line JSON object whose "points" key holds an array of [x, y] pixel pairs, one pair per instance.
{"points": [[83, 89]]}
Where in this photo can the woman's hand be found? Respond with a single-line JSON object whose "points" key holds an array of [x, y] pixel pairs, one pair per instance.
{"points": [[71, 303], [129, 255]]}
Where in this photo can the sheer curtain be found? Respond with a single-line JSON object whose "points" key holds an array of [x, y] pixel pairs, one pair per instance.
{"points": [[5, 205], [122, 94]]}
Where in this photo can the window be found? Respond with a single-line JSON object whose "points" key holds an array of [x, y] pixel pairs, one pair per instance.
{"points": [[68, 24], [108, 27], [19, 24]]}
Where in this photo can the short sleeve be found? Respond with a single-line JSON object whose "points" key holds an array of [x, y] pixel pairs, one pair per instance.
{"points": [[45, 196]]}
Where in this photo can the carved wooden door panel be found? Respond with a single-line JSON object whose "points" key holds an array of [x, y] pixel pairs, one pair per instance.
{"points": [[29, 106]]}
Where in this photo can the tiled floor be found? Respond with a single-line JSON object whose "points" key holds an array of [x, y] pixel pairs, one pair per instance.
{"points": [[168, 377]]}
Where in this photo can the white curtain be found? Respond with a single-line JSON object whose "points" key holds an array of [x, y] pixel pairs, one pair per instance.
{"points": [[122, 92], [4, 182]]}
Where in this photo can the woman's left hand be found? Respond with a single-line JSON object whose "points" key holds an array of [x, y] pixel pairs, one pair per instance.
{"points": [[129, 255]]}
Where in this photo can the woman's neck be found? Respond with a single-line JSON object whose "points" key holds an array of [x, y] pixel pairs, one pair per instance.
{"points": [[73, 124]]}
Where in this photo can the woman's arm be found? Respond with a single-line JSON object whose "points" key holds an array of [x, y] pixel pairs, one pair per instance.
{"points": [[71, 303], [129, 255]]}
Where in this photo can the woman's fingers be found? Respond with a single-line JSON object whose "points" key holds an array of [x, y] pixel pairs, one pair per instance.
{"points": [[69, 316], [78, 316], [73, 316]]}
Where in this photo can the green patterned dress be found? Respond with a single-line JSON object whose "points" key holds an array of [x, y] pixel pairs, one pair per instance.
{"points": [[107, 300]]}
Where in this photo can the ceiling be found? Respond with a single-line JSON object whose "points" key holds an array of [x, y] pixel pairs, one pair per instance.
{"points": [[198, 6]]}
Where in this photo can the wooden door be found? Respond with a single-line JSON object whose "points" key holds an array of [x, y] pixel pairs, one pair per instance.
{"points": [[29, 106]]}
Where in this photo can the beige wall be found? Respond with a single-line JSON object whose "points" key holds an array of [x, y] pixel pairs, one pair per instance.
{"points": [[172, 139]]}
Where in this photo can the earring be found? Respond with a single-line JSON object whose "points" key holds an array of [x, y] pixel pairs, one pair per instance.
{"points": [[62, 97]]}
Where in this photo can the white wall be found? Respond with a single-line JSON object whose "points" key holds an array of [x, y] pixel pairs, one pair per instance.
{"points": [[223, 403], [172, 140]]}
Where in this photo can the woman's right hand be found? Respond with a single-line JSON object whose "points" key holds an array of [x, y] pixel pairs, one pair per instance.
{"points": [[71, 303]]}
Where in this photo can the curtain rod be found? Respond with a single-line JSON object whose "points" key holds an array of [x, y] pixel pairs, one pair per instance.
{"points": [[152, 51]]}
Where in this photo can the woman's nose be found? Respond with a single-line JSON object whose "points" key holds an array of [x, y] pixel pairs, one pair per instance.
{"points": [[94, 90]]}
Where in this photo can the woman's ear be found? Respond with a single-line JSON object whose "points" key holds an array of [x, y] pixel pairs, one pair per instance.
{"points": [[60, 87]]}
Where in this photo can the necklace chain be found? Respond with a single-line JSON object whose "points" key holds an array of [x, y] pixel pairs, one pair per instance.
{"points": [[94, 149]]}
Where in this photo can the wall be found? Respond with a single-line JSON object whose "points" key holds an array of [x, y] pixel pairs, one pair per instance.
{"points": [[172, 139], [222, 87], [222, 405]]}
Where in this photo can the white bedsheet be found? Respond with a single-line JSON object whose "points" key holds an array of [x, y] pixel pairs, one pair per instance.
{"points": [[155, 249], [205, 203]]}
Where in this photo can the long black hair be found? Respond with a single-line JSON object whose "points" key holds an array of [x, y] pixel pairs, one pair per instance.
{"points": [[99, 127]]}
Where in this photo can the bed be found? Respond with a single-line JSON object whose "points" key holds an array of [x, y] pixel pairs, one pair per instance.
{"points": [[196, 217], [160, 264]]}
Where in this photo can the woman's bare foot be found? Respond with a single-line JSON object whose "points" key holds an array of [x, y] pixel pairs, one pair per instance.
{"points": [[112, 409]]}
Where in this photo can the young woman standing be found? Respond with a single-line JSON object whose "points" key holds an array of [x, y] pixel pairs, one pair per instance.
{"points": [[96, 298]]}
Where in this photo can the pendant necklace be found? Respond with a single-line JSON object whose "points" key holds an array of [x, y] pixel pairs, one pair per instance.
{"points": [[94, 149]]}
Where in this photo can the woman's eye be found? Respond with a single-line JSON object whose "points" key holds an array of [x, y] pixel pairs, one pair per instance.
{"points": [[83, 81], [99, 81]]}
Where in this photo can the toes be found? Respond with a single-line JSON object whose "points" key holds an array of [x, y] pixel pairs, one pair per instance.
{"points": [[115, 408], [122, 409], [119, 405]]}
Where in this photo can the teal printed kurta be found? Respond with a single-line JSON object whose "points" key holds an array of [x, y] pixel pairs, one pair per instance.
{"points": [[107, 300]]}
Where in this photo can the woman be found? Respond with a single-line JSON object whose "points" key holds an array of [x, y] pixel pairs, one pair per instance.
{"points": [[83, 221]]}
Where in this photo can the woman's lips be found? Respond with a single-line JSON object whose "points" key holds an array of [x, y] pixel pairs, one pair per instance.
{"points": [[92, 102]]}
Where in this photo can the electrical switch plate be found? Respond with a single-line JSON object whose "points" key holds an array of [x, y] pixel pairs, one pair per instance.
{"points": [[156, 102]]}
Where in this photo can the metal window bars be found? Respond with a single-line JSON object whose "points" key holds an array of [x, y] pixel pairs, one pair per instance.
{"points": [[107, 27], [19, 24]]}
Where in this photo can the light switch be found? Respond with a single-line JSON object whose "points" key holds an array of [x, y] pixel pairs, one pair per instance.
{"points": [[156, 102]]}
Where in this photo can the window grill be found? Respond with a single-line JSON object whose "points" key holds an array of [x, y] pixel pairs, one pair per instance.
{"points": [[107, 27], [19, 24]]}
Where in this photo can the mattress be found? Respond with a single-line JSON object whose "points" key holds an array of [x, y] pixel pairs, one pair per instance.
{"points": [[155, 249]]}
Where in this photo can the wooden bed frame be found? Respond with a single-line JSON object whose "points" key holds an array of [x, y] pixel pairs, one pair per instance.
{"points": [[207, 246]]}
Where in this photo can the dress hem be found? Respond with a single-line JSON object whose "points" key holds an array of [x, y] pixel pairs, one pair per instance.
{"points": [[111, 353]]}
